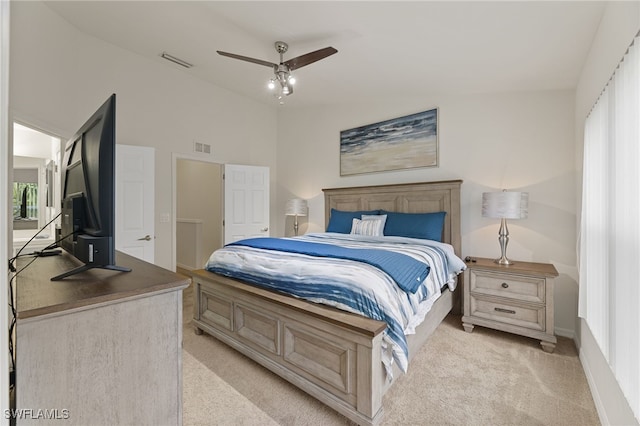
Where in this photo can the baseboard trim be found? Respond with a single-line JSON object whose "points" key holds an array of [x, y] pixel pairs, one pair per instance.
{"points": [[611, 404], [597, 399], [185, 267], [565, 332]]}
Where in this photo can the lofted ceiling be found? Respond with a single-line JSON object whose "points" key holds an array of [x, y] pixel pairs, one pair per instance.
{"points": [[385, 48]]}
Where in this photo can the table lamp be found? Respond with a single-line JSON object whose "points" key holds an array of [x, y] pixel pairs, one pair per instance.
{"points": [[296, 207], [505, 205]]}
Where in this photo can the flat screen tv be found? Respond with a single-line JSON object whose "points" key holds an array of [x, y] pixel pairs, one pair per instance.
{"points": [[88, 193]]}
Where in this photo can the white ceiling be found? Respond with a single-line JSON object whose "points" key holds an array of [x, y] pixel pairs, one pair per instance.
{"points": [[385, 49]]}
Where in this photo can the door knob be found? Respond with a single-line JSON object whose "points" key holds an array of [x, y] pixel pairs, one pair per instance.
{"points": [[145, 238], [265, 229]]}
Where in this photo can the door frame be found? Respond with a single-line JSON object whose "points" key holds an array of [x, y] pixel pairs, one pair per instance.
{"points": [[175, 156], [44, 215], [6, 176]]}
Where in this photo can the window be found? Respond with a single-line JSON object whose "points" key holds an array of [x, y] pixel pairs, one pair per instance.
{"points": [[25, 206], [25, 201], [610, 225]]}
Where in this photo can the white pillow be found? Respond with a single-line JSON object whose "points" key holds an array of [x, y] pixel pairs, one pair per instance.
{"points": [[382, 217], [370, 227]]}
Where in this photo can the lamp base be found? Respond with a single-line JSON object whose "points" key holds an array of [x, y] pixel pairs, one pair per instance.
{"points": [[503, 261], [503, 239]]}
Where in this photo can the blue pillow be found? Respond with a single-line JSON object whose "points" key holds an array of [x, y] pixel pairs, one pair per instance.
{"points": [[428, 226], [341, 221]]}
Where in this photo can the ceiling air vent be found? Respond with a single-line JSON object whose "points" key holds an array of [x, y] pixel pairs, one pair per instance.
{"points": [[175, 60], [202, 147]]}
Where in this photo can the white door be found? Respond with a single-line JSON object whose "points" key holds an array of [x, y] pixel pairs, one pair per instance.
{"points": [[135, 175], [246, 202]]}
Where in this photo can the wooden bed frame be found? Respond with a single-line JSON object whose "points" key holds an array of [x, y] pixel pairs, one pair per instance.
{"points": [[333, 355]]}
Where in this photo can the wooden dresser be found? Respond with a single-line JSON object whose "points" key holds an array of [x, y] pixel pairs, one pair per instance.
{"points": [[515, 298], [100, 347]]}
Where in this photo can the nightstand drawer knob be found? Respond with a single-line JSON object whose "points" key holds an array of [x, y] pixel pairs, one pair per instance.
{"points": [[505, 285], [505, 311]]}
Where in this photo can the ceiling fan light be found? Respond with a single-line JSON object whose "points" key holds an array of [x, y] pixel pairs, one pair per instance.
{"points": [[282, 71]]}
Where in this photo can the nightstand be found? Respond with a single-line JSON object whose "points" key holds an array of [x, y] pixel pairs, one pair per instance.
{"points": [[515, 298]]}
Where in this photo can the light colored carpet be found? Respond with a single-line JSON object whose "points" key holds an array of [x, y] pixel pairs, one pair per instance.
{"points": [[482, 378], [226, 407]]}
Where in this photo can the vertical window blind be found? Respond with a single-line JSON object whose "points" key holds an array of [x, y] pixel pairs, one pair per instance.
{"points": [[610, 225]]}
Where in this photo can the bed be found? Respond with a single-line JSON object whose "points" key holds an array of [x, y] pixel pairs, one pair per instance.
{"points": [[334, 355]]}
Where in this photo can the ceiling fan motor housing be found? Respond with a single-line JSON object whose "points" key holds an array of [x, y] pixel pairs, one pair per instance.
{"points": [[281, 47]]}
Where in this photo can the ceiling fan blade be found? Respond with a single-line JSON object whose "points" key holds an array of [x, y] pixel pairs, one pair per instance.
{"points": [[309, 58], [248, 59]]}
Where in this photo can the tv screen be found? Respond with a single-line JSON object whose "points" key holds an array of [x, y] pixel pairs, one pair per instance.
{"points": [[88, 192]]}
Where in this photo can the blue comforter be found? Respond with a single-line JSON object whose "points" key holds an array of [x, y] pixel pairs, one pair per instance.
{"points": [[354, 286], [406, 271]]}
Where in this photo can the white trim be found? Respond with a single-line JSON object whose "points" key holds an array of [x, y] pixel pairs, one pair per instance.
{"points": [[565, 332], [185, 267], [611, 404], [597, 399], [5, 166], [189, 220]]}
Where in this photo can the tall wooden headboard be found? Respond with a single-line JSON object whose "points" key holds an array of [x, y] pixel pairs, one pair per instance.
{"points": [[422, 197]]}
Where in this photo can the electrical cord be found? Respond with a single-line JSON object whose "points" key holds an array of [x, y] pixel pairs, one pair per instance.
{"points": [[14, 313], [12, 267], [16, 272]]}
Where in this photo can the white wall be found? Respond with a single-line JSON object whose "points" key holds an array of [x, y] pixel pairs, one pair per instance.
{"points": [[521, 141], [619, 25], [31, 143], [5, 205], [60, 76]]}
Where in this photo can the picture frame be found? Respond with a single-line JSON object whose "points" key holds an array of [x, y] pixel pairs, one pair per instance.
{"points": [[406, 142]]}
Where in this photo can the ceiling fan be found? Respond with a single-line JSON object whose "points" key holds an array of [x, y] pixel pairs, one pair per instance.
{"points": [[282, 71]]}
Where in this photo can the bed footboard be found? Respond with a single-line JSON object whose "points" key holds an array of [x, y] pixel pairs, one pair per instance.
{"points": [[330, 354]]}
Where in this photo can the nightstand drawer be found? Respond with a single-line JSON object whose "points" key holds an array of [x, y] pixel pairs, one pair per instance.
{"points": [[529, 289], [532, 317]]}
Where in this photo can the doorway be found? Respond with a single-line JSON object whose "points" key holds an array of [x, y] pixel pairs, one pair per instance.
{"points": [[203, 200], [198, 212], [36, 184]]}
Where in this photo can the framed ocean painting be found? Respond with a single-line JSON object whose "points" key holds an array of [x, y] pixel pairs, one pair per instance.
{"points": [[400, 143]]}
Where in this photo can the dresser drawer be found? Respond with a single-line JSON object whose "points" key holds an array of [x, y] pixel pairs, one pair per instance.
{"points": [[518, 287], [532, 317]]}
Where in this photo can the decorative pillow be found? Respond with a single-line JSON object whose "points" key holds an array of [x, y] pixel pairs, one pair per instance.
{"points": [[370, 227], [428, 226], [341, 221], [382, 217]]}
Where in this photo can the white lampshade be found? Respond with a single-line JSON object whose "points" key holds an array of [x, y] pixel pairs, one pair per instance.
{"points": [[296, 207], [505, 205]]}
